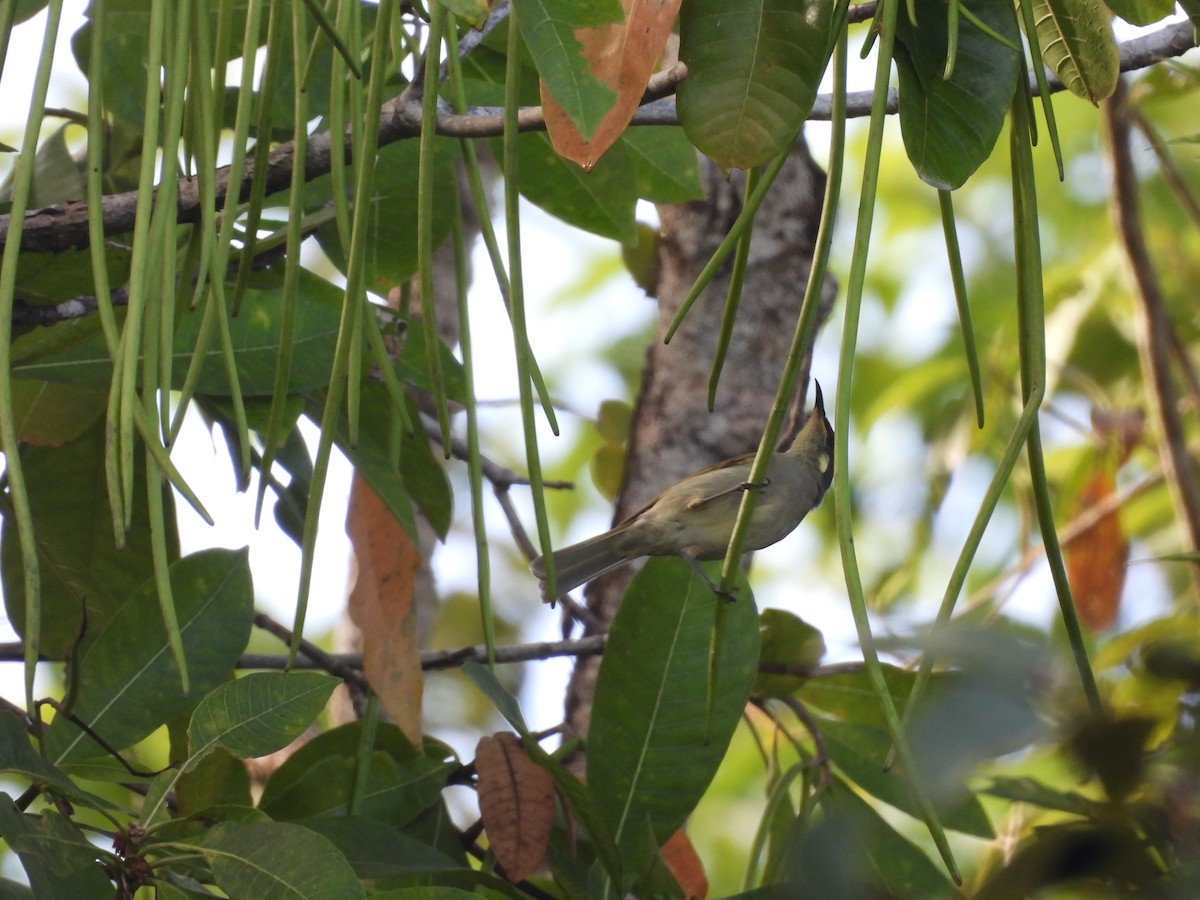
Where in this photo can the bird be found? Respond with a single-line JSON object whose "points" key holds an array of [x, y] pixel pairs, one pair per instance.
{"points": [[693, 519]]}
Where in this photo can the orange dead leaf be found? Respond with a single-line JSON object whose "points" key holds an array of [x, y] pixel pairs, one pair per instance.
{"points": [[516, 801], [1096, 559], [685, 865], [381, 605], [622, 56]]}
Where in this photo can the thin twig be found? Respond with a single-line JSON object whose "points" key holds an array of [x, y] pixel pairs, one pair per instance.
{"points": [[821, 758], [321, 660], [1154, 324], [1171, 174], [497, 474], [433, 660]]}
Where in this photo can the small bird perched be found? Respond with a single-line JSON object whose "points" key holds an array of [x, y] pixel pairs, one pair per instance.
{"points": [[694, 518]]}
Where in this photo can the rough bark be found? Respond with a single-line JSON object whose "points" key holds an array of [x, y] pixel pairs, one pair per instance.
{"points": [[673, 431]]}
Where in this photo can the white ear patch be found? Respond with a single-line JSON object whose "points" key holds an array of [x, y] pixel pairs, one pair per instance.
{"points": [[823, 463]]}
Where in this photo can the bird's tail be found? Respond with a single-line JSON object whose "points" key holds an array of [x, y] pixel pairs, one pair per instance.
{"points": [[580, 563]]}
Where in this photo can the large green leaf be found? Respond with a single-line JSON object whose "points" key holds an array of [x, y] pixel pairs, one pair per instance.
{"points": [[1142, 12], [278, 861], [787, 640], [1077, 42], [50, 413], [59, 861], [859, 751], [257, 714], [391, 252], [653, 746], [665, 165], [951, 125], [341, 741], [127, 24], [128, 681], [18, 757], [849, 696], [75, 352], [753, 72], [46, 278], [601, 201], [548, 28], [85, 578], [375, 849], [854, 852], [57, 177], [395, 793]]}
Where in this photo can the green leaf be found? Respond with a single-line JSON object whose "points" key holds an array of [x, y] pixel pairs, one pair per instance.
{"points": [[375, 849], [753, 72], [341, 741], [49, 278], [128, 682], [74, 351], [18, 757], [848, 696], [665, 165], [859, 752], [489, 685], [854, 852], [474, 12], [1033, 792], [653, 747], [1078, 45], [951, 125], [278, 861], [601, 201], [1142, 12], [57, 177], [127, 25], [11, 890], [548, 28], [395, 793], [257, 714], [59, 861], [48, 413], [85, 578], [787, 640], [391, 253]]}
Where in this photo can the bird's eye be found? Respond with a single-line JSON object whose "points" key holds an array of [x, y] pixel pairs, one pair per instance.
{"points": [[823, 462]]}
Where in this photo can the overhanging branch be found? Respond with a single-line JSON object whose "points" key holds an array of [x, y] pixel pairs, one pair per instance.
{"points": [[64, 226]]}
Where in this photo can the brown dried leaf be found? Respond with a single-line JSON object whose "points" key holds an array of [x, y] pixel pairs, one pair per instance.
{"points": [[1096, 559], [622, 56], [685, 865], [516, 801], [381, 605]]}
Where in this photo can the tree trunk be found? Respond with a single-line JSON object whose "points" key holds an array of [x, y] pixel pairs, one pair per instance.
{"points": [[673, 432]]}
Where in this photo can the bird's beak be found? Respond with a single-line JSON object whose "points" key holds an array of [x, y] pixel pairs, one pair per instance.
{"points": [[819, 406]]}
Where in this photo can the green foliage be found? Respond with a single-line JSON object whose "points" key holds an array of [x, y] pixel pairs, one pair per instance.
{"points": [[754, 69], [950, 125], [656, 737]]}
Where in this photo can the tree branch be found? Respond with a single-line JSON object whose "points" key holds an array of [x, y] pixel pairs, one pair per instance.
{"points": [[63, 226]]}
